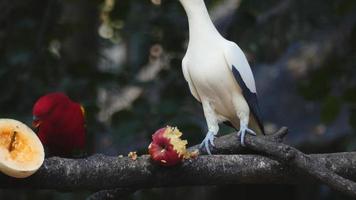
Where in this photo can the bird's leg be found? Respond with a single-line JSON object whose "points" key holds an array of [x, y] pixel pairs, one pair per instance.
{"points": [[213, 126], [243, 130], [243, 113], [209, 139]]}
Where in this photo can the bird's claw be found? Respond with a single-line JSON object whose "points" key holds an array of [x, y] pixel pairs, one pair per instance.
{"points": [[241, 134], [209, 139]]}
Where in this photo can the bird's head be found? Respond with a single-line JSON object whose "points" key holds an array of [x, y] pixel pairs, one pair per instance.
{"points": [[45, 105]]}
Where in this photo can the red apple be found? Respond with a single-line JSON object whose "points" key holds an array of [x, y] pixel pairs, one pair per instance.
{"points": [[167, 148]]}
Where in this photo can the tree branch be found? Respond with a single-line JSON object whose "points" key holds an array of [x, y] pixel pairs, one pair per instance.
{"points": [[305, 163], [229, 144], [271, 145], [111, 194], [101, 172]]}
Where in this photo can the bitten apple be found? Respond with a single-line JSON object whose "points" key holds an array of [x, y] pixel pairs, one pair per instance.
{"points": [[167, 148]]}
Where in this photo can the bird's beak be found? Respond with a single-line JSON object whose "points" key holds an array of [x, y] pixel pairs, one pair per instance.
{"points": [[82, 109], [36, 122]]}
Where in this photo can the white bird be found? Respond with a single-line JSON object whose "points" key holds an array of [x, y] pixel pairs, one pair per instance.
{"points": [[219, 76]]}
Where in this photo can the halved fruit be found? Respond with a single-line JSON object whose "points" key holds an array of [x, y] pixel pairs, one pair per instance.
{"points": [[21, 151]]}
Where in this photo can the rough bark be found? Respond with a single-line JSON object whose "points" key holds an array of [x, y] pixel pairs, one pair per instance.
{"points": [[122, 175], [101, 172]]}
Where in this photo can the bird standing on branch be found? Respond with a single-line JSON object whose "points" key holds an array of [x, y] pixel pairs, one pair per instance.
{"points": [[219, 76], [60, 124]]}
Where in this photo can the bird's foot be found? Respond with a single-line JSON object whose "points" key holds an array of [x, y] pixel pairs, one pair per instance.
{"points": [[209, 139], [241, 134]]}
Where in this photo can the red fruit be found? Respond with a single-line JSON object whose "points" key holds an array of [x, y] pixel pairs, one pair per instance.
{"points": [[167, 148], [60, 123]]}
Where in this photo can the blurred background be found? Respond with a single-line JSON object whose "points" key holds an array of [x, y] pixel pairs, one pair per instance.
{"points": [[122, 60]]}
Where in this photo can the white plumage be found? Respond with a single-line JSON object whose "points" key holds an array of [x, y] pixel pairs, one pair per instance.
{"points": [[219, 76]]}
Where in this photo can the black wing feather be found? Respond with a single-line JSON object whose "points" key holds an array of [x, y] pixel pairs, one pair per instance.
{"points": [[250, 97]]}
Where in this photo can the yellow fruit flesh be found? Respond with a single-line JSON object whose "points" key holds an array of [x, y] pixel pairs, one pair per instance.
{"points": [[18, 147], [174, 135], [178, 144]]}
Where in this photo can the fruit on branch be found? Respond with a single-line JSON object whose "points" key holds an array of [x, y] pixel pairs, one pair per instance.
{"points": [[21, 151], [167, 148]]}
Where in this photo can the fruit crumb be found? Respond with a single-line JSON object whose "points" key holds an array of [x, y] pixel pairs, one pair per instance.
{"points": [[132, 155], [191, 155]]}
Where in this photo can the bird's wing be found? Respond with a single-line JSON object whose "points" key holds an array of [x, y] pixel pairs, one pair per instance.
{"points": [[241, 70], [188, 79]]}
